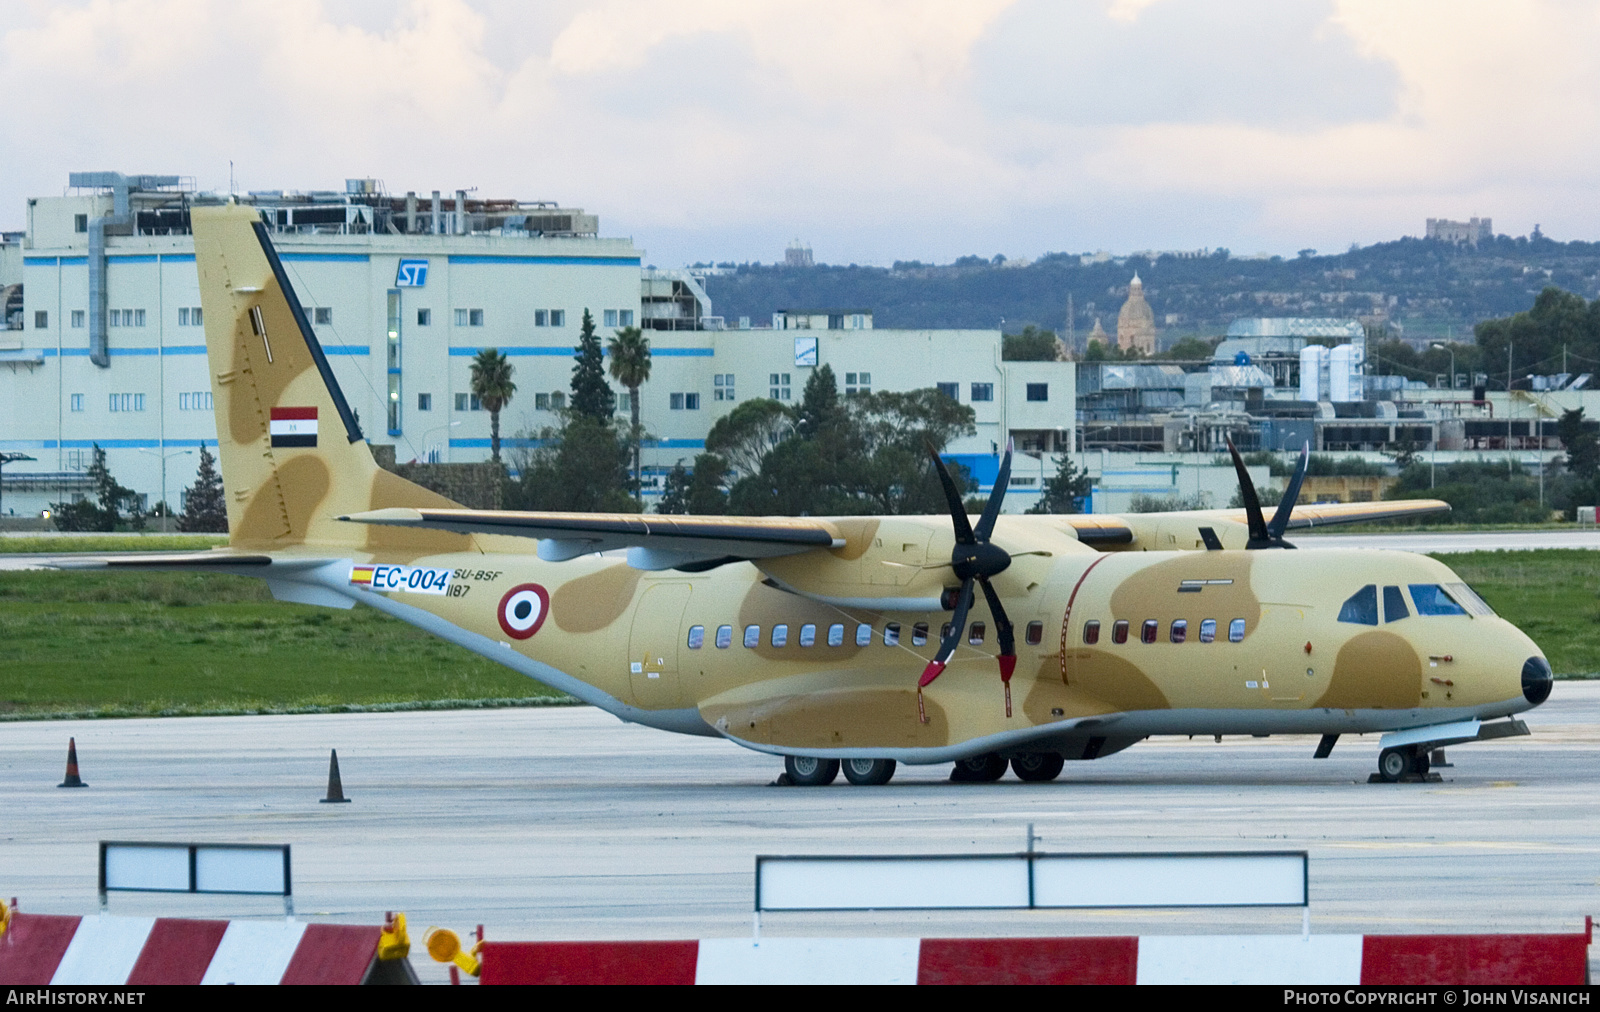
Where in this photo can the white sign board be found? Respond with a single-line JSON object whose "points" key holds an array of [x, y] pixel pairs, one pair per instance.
{"points": [[194, 868], [1021, 881]]}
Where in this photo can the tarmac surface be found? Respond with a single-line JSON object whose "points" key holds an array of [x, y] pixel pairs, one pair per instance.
{"points": [[563, 823]]}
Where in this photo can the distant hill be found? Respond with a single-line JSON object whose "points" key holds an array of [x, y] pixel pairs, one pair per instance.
{"points": [[1422, 289]]}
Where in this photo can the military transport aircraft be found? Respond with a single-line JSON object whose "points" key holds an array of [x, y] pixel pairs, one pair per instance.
{"points": [[855, 641]]}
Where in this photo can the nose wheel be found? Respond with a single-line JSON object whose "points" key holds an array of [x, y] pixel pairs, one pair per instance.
{"points": [[1408, 762]]}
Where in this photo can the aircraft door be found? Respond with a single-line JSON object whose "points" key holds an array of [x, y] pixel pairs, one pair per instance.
{"points": [[1287, 674], [653, 646]]}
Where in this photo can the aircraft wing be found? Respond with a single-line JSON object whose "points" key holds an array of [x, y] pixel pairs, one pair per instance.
{"points": [[1327, 514], [195, 562], [653, 541]]}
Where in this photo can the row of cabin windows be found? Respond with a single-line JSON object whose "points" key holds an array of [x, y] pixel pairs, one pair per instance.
{"points": [[1150, 631], [836, 632]]}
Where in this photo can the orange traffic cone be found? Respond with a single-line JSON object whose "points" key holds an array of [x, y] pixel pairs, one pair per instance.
{"points": [[72, 780], [335, 785]]}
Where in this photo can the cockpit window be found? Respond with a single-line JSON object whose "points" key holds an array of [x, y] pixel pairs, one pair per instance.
{"points": [[1468, 599], [1394, 605], [1431, 599], [1362, 607]]}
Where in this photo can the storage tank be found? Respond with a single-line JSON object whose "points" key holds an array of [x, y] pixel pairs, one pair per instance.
{"points": [[1313, 363], [1344, 375]]}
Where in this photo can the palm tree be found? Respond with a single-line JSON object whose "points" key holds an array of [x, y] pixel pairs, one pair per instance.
{"points": [[630, 366], [491, 384]]}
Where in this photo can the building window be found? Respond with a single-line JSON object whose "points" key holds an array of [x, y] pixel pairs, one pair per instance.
{"points": [[196, 319], [626, 316], [779, 384], [424, 317], [199, 400], [424, 402], [625, 401], [722, 387], [183, 316], [469, 317], [858, 383], [322, 316], [41, 319], [675, 402], [127, 402], [468, 402], [610, 316], [541, 317], [684, 402], [189, 316], [80, 223], [982, 392], [77, 318], [77, 402], [550, 402], [950, 390], [558, 317], [858, 321], [1038, 391]]}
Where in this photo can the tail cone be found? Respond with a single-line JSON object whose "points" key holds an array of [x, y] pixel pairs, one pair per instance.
{"points": [[335, 785], [72, 780]]}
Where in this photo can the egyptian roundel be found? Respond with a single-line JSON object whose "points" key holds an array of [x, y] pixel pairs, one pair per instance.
{"points": [[523, 610]]}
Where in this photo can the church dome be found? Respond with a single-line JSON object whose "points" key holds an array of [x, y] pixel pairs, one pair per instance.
{"points": [[1136, 323]]}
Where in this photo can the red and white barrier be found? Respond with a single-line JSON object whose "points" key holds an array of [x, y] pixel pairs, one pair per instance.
{"points": [[43, 949], [1158, 959]]}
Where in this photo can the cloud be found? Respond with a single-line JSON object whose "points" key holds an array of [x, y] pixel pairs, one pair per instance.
{"points": [[878, 130]]}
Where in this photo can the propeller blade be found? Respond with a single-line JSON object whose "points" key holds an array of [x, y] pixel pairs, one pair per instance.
{"points": [[958, 511], [1291, 495], [947, 646], [1003, 627], [997, 495], [1252, 503]]}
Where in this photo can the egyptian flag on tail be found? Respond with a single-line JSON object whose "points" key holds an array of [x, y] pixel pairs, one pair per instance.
{"points": [[294, 427]]}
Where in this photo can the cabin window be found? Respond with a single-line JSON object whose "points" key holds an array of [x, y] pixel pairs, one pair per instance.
{"points": [[1119, 631], [836, 634], [1362, 607], [752, 636], [1431, 599], [697, 637], [724, 637], [976, 633], [1179, 631], [1236, 631], [780, 636], [891, 634], [863, 635], [1394, 605], [1091, 632], [808, 635], [1035, 633], [1149, 631], [1208, 630], [919, 634]]}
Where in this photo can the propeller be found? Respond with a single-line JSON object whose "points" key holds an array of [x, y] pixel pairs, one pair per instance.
{"points": [[974, 560], [1265, 534]]}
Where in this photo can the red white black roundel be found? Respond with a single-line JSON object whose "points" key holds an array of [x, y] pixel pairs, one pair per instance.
{"points": [[523, 610]]}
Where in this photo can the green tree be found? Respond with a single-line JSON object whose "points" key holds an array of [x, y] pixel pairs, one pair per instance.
{"points": [[205, 509], [1559, 321], [630, 366], [581, 467], [492, 385], [1032, 345], [699, 491], [675, 491], [744, 436], [1578, 439], [1062, 492], [592, 396], [104, 513], [1190, 349]]}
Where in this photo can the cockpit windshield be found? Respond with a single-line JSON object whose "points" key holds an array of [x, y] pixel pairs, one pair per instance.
{"points": [[1448, 599], [1468, 599]]}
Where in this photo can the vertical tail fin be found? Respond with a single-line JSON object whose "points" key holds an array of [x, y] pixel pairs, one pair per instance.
{"points": [[292, 453]]}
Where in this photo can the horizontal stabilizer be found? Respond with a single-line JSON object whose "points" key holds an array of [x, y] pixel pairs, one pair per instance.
{"points": [[662, 542]]}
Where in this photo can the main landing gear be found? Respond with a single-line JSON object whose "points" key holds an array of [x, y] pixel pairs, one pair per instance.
{"points": [[1407, 762], [809, 771], [1035, 767]]}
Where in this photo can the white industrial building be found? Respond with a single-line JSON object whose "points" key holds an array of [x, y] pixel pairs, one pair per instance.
{"points": [[105, 342]]}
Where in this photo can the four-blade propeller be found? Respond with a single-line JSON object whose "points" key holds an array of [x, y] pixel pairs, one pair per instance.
{"points": [[975, 559], [1264, 534]]}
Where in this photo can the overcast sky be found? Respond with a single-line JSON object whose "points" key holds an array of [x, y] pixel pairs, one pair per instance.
{"points": [[875, 131]]}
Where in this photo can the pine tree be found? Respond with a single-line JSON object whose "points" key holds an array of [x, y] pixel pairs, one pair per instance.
{"points": [[1061, 493], [206, 510], [592, 396]]}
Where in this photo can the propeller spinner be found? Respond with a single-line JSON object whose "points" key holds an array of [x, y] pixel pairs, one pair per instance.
{"points": [[1265, 534], [974, 560]]}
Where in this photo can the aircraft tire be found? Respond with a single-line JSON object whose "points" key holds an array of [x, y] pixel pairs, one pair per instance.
{"points": [[1421, 762], [979, 769], [1037, 767], [809, 771], [868, 772], [1394, 764]]}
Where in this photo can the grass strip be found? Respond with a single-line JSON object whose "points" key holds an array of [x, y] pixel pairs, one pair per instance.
{"points": [[1550, 594], [42, 545]]}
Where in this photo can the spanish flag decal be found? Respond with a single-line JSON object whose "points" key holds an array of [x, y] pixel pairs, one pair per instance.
{"points": [[294, 427]]}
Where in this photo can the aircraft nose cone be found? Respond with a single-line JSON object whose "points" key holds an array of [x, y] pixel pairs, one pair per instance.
{"points": [[1536, 680]]}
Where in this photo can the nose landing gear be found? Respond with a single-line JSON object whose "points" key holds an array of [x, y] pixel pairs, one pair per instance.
{"points": [[1407, 762]]}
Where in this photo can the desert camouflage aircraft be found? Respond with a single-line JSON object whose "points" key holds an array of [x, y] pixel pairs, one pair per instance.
{"points": [[853, 641]]}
